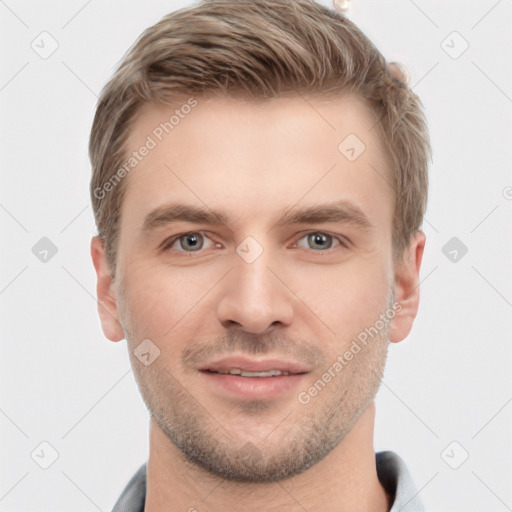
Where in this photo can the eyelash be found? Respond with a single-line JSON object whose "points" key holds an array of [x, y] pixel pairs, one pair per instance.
{"points": [[167, 244]]}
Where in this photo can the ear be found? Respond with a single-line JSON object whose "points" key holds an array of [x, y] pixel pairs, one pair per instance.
{"points": [[407, 288], [105, 291]]}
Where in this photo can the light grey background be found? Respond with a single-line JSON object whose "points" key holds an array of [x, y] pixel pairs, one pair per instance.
{"points": [[63, 383]]}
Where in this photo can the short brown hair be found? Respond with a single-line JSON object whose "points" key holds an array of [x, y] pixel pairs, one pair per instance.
{"points": [[263, 49]]}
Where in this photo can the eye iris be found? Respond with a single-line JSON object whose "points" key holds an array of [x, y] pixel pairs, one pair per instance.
{"points": [[193, 239], [319, 238]]}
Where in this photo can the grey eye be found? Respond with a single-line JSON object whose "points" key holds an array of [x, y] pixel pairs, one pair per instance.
{"points": [[193, 241], [320, 239]]}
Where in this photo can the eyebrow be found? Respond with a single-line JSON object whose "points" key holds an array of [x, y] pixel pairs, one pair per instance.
{"points": [[340, 211]]}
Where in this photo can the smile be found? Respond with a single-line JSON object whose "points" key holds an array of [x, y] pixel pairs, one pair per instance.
{"points": [[243, 373]]}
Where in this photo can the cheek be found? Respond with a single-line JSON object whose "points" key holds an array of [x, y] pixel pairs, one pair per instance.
{"points": [[347, 298], [159, 298]]}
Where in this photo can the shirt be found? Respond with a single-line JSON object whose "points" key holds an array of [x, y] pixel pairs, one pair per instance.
{"points": [[391, 471]]}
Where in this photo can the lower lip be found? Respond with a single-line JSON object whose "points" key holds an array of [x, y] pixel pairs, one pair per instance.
{"points": [[256, 388]]}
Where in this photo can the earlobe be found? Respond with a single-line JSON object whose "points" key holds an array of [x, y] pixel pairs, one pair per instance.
{"points": [[106, 296], [407, 290]]}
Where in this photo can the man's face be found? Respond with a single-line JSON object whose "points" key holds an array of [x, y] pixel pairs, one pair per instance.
{"points": [[250, 293]]}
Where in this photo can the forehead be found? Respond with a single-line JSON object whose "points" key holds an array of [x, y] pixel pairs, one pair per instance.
{"points": [[253, 157]]}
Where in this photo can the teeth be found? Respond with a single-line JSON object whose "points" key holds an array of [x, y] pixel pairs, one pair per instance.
{"points": [[270, 373], [234, 371]]}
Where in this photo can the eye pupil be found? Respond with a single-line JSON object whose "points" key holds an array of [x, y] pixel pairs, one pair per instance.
{"points": [[193, 239], [319, 238]]}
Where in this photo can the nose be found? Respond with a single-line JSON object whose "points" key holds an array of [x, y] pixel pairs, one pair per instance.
{"points": [[254, 296]]}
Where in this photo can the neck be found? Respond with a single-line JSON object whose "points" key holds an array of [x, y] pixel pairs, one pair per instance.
{"points": [[345, 480]]}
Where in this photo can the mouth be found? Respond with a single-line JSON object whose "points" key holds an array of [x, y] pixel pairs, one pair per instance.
{"points": [[246, 367], [241, 377], [243, 373]]}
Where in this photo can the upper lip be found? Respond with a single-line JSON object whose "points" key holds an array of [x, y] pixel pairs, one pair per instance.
{"points": [[254, 365]]}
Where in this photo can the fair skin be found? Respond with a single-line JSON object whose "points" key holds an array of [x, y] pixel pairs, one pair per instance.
{"points": [[229, 442]]}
